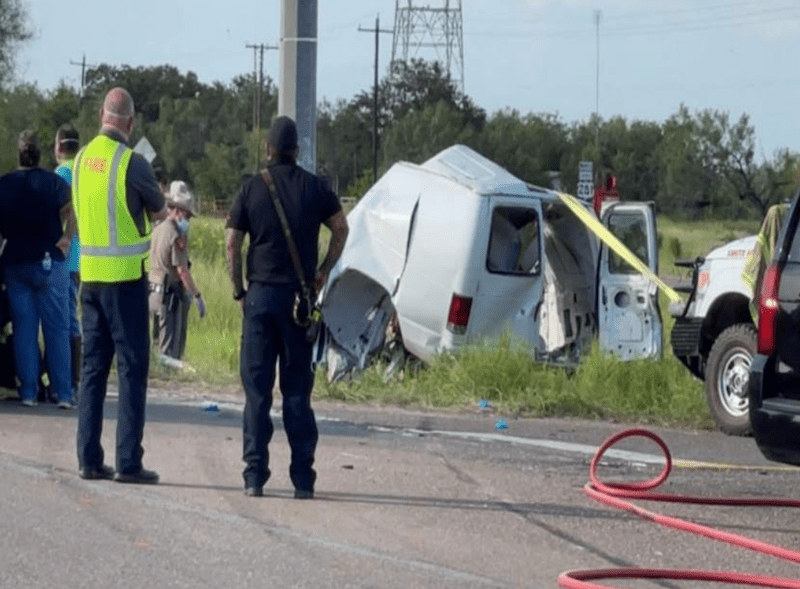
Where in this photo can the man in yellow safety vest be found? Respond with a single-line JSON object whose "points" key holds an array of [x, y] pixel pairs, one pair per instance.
{"points": [[115, 195]]}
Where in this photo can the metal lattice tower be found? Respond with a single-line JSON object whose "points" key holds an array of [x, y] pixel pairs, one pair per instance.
{"points": [[438, 26]]}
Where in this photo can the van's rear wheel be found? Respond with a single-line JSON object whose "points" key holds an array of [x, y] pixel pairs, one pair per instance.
{"points": [[727, 377]]}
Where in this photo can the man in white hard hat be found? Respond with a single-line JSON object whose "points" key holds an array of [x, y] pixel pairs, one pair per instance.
{"points": [[172, 288]]}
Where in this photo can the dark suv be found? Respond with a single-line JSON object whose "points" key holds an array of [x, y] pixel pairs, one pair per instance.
{"points": [[775, 371]]}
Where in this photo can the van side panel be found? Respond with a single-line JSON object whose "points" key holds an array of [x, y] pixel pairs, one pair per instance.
{"points": [[379, 227], [442, 247], [505, 276], [357, 301]]}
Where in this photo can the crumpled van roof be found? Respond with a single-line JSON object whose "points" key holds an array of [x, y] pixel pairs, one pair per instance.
{"points": [[470, 169]]}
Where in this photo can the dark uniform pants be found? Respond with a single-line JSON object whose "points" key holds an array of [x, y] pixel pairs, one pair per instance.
{"points": [[173, 320], [115, 320], [270, 335]]}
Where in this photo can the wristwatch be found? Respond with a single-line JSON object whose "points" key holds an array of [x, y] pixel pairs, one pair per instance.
{"points": [[238, 296]]}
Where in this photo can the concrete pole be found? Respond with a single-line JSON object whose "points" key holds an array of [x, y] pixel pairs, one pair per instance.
{"points": [[297, 93]]}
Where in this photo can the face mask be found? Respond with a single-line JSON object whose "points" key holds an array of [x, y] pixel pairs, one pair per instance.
{"points": [[183, 226]]}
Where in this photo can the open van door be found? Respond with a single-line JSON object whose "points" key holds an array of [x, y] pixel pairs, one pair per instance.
{"points": [[628, 316], [508, 274]]}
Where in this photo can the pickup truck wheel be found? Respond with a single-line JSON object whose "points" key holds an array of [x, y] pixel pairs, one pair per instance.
{"points": [[727, 375]]}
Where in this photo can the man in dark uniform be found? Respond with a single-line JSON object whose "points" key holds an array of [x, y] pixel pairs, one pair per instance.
{"points": [[269, 333]]}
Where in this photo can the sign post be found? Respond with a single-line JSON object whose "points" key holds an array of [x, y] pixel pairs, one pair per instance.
{"points": [[586, 181], [145, 148]]}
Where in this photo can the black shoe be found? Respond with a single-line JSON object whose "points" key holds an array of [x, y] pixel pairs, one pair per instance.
{"points": [[104, 472], [141, 477], [254, 491], [303, 494]]}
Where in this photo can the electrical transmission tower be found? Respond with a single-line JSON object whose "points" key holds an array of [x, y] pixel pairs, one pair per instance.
{"points": [[437, 26]]}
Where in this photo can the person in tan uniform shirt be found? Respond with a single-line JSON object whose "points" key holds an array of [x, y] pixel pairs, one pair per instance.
{"points": [[172, 289]]}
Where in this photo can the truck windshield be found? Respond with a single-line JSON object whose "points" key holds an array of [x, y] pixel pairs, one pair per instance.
{"points": [[631, 229], [514, 241]]}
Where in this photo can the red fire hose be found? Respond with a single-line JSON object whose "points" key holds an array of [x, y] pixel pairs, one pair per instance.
{"points": [[615, 495]]}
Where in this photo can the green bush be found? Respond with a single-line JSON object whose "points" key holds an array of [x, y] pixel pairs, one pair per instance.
{"points": [[207, 240], [360, 185]]}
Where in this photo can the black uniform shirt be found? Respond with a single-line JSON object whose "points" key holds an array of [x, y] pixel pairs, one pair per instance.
{"points": [[30, 203], [307, 202]]}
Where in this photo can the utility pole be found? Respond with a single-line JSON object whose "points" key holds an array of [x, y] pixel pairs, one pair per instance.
{"points": [[597, 15], [377, 30], [82, 63], [258, 75], [297, 91]]}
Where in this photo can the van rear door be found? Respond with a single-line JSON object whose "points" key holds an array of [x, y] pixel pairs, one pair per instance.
{"points": [[628, 316], [509, 272]]}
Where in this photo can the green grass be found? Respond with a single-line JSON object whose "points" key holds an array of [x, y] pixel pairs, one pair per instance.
{"points": [[696, 238], [212, 346], [657, 392]]}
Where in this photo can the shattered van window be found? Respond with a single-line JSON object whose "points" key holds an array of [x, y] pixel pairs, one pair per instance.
{"points": [[631, 229], [514, 241]]}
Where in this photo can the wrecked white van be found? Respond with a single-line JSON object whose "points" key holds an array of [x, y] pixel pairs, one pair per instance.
{"points": [[458, 251]]}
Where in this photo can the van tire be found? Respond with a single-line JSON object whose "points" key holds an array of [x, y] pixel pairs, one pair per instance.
{"points": [[727, 377]]}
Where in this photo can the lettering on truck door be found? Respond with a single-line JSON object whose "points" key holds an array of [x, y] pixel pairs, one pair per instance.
{"points": [[629, 321]]}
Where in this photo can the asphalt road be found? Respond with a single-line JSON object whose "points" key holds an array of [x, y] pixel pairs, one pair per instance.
{"points": [[404, 499]]}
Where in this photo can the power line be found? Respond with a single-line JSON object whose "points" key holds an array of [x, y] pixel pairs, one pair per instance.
{"points": [[258, 75], [83, 65], [377, 30], [741, 20], [698, 10], [694, 10]]}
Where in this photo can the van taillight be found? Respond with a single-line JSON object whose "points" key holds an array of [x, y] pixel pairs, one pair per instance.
{"points": [[768, 310], [458, 317]]}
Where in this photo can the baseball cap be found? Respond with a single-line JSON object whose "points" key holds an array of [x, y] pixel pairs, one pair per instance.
{"points": [[283, 134], [67, 136]]}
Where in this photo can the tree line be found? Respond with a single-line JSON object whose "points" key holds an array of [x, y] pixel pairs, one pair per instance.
{"points": [[695, 163]]}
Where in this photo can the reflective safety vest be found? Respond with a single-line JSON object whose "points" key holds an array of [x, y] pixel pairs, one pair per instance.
{"points": [[112, 248]]}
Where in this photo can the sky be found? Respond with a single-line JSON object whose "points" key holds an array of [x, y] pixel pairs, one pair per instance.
{"points": [[645, 59]]}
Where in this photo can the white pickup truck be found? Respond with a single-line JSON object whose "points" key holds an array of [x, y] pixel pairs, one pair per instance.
{"points": [[714, 334]]}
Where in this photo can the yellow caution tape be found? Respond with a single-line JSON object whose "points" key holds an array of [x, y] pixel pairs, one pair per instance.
{"points": [[700, 465], [615, 244]]}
